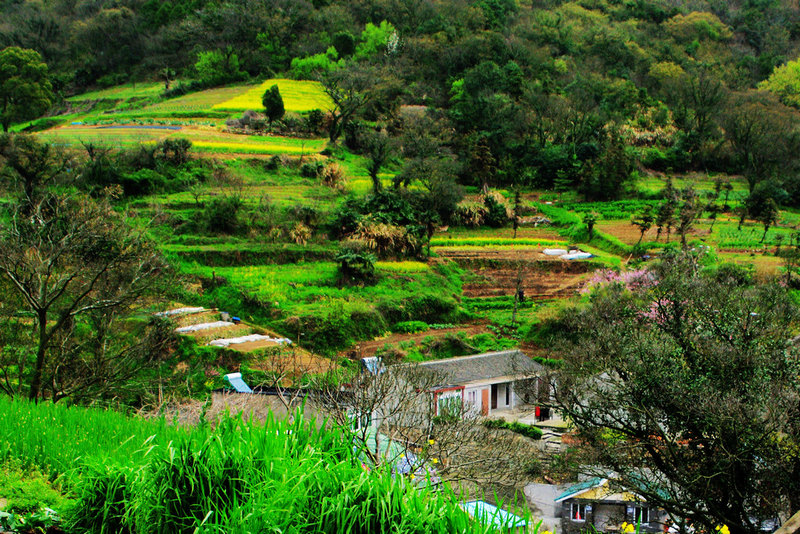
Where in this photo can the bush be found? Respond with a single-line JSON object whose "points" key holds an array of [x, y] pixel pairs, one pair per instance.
{"points": [[222, 214], [410, 327], [311, 170], [496, 210], [528, 431], [355, 263]]}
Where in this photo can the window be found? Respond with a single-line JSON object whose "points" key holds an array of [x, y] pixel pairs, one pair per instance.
{"points": [[472, 397], [508, 394], [645, 515], [577, 512]]}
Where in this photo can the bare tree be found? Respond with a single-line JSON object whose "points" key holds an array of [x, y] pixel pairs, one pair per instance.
{"points": [[395, 405], [75, 264]]}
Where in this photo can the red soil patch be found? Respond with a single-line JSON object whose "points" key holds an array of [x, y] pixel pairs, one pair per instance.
{"points": [[543, 277], [369, 348]]}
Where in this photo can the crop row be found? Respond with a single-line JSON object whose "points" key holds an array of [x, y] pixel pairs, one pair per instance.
{"points": [[493, 242], [298, 96]]}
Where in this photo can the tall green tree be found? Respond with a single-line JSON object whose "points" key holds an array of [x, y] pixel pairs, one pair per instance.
{"points": [[273, 104], [25, 90]]}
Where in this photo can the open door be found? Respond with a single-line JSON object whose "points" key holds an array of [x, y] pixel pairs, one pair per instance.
{"points": [[484, 402], [494, 396]]}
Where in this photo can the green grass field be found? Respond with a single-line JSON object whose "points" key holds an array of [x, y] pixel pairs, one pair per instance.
{"points": [[298, 96], [208, 140], [121, 92]]}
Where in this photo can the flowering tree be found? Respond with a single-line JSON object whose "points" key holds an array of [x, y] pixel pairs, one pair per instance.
{"points": [[685, 387]]}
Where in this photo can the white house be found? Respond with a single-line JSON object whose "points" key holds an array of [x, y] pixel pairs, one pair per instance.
{"points": [[487, 383]]}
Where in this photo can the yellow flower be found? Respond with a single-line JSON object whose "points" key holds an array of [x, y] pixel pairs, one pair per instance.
{"points": [[431, 442], [435, 460], [412, 476]]}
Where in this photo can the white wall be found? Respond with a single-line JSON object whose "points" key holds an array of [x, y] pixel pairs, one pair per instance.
{"points": [[472, 398]]}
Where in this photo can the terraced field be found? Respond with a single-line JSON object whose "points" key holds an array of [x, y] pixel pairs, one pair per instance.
{"points": [[204, 139], [299, 96], [128, 115]]}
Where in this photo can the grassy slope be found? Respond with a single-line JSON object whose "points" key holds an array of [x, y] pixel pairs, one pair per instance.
{"points": [[200, 116], [135, 475]]}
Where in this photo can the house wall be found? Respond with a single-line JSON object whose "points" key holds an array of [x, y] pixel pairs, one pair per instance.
{"points": [[604, 515], [479, 397], [473, 397]]}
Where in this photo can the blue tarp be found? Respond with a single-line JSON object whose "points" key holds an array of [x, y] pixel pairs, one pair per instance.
{"points": [[490, 514], [373, 365], [235, 380]]}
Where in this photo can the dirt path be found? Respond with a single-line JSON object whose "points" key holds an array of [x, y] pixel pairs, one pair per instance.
{"points": [[369, 348]]}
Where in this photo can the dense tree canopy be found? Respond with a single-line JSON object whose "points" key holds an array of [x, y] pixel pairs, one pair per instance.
{"points": [[683, 384], [25, 90]]}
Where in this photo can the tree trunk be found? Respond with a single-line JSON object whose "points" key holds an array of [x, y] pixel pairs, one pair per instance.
{"points": [[377, 186], [766, 229], [36, 381]]}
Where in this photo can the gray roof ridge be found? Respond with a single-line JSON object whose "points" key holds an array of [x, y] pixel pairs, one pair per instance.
{"points": [[473, 356]]}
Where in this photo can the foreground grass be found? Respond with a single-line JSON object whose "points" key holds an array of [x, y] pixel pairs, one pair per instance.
{"points": [[136, 476]]}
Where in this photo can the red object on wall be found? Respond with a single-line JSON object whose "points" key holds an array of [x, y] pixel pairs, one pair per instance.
{"points": [[538, 412]]}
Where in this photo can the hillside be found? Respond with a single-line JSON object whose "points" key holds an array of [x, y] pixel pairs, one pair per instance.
{"points": [[194, 188]]}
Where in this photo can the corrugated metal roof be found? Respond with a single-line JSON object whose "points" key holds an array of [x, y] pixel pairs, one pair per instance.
{"points": [[487, 366], [490, 514], [579, 488]]}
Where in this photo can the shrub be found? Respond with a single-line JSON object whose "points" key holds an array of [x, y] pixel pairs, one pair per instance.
{"points": [[529, 431], [410, 327], [222, 214], [470, 213], [333, 176], [355, 263], [498, 212], [300, 233], [311, 170]]}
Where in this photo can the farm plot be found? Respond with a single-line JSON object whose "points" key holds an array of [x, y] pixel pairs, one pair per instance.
{"points": [[298, 96], [314, 288], [205, 140], [726, 235], [121, 92], [195, 102]]}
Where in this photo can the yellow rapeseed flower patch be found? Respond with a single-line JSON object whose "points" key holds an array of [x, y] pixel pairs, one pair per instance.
{"points": [[402, 266], [298, 96], [254, 148]]}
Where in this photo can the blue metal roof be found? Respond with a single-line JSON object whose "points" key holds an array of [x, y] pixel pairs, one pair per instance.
{"points": [[235, 380], [373, 365], [490, 514], [581, 487]]}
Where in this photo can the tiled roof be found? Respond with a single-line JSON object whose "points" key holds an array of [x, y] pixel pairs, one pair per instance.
{"points": [[465, 369]]}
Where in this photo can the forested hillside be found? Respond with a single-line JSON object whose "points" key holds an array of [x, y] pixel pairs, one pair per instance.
{"points": [[322, 198], [523, 90]]}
